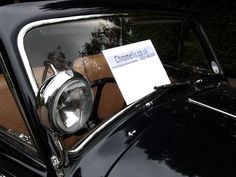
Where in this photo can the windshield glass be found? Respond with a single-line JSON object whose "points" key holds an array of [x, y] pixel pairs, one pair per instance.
{"points": [[64, 43], [78, 45]]}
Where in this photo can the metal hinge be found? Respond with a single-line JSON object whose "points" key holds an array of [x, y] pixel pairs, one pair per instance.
{"points": [[22, 137], [148, 107], [131, 133], [57, 166]]}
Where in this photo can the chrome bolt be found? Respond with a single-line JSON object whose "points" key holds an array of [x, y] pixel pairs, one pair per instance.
{"points": [[55, 161], [56, 164]]}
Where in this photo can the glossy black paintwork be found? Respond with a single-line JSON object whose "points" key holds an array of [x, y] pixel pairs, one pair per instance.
{"points": [[26, 96], [110, 144], [19, 15], [101, 156], [174, 138], [15, 157], [223, 98], [187, 142], [184, 140]]}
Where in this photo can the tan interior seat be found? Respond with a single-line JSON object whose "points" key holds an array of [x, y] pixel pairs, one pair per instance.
{"points": [[95, 67], [10, 117]]}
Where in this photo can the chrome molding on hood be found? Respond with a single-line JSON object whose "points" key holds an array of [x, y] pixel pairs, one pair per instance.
{"points": [[211, 108]]}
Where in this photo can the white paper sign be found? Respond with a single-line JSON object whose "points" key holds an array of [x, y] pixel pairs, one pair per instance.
{"points": [[137, 69]]}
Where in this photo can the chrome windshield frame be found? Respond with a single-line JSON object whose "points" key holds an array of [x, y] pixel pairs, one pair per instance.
{"points": [[29, 71], [29, 26]]}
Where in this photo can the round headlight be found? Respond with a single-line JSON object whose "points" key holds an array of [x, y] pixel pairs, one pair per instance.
{"points": [[69, 101], [72, 106]]}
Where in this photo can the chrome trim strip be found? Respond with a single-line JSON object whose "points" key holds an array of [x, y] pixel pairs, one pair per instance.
{"points": [[211, 108], [26, 28], [25, 60], [16, 98], [97, 131], [18, 103]]}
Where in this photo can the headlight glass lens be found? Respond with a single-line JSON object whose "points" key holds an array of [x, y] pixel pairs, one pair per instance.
{"points": [[72, 106]]}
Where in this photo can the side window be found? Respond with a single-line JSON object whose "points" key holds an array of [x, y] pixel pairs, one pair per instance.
{"points": [[176, 44], [164, 36], [11, 120], [192, 52]]}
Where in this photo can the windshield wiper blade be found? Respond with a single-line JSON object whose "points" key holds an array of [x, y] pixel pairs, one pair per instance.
{"points": [[174, 85]]}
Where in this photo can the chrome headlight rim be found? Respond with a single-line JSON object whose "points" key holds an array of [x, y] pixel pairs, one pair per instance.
{"points": [[51, 93], [54, 115]]}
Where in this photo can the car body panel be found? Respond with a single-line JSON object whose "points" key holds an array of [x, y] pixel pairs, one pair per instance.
{"points": [[186, 140], [174, 138], [164, 133]]}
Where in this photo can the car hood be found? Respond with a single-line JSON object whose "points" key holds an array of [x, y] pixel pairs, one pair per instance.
{"points": [[195, 136]]}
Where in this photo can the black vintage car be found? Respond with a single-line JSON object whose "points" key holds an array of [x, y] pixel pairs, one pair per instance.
{"points": [[63, 114]]}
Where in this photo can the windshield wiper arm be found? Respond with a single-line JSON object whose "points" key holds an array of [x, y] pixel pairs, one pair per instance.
{"points": [[174, 85]]}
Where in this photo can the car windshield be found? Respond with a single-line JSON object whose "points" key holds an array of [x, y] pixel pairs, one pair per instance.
{"points": [[78, 45], [65, 43]]}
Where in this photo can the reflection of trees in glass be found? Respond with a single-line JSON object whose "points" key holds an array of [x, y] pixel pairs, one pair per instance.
{"points": [[218, 19], [107, 36], [164, 37], [58, 59], [171, 45]]}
